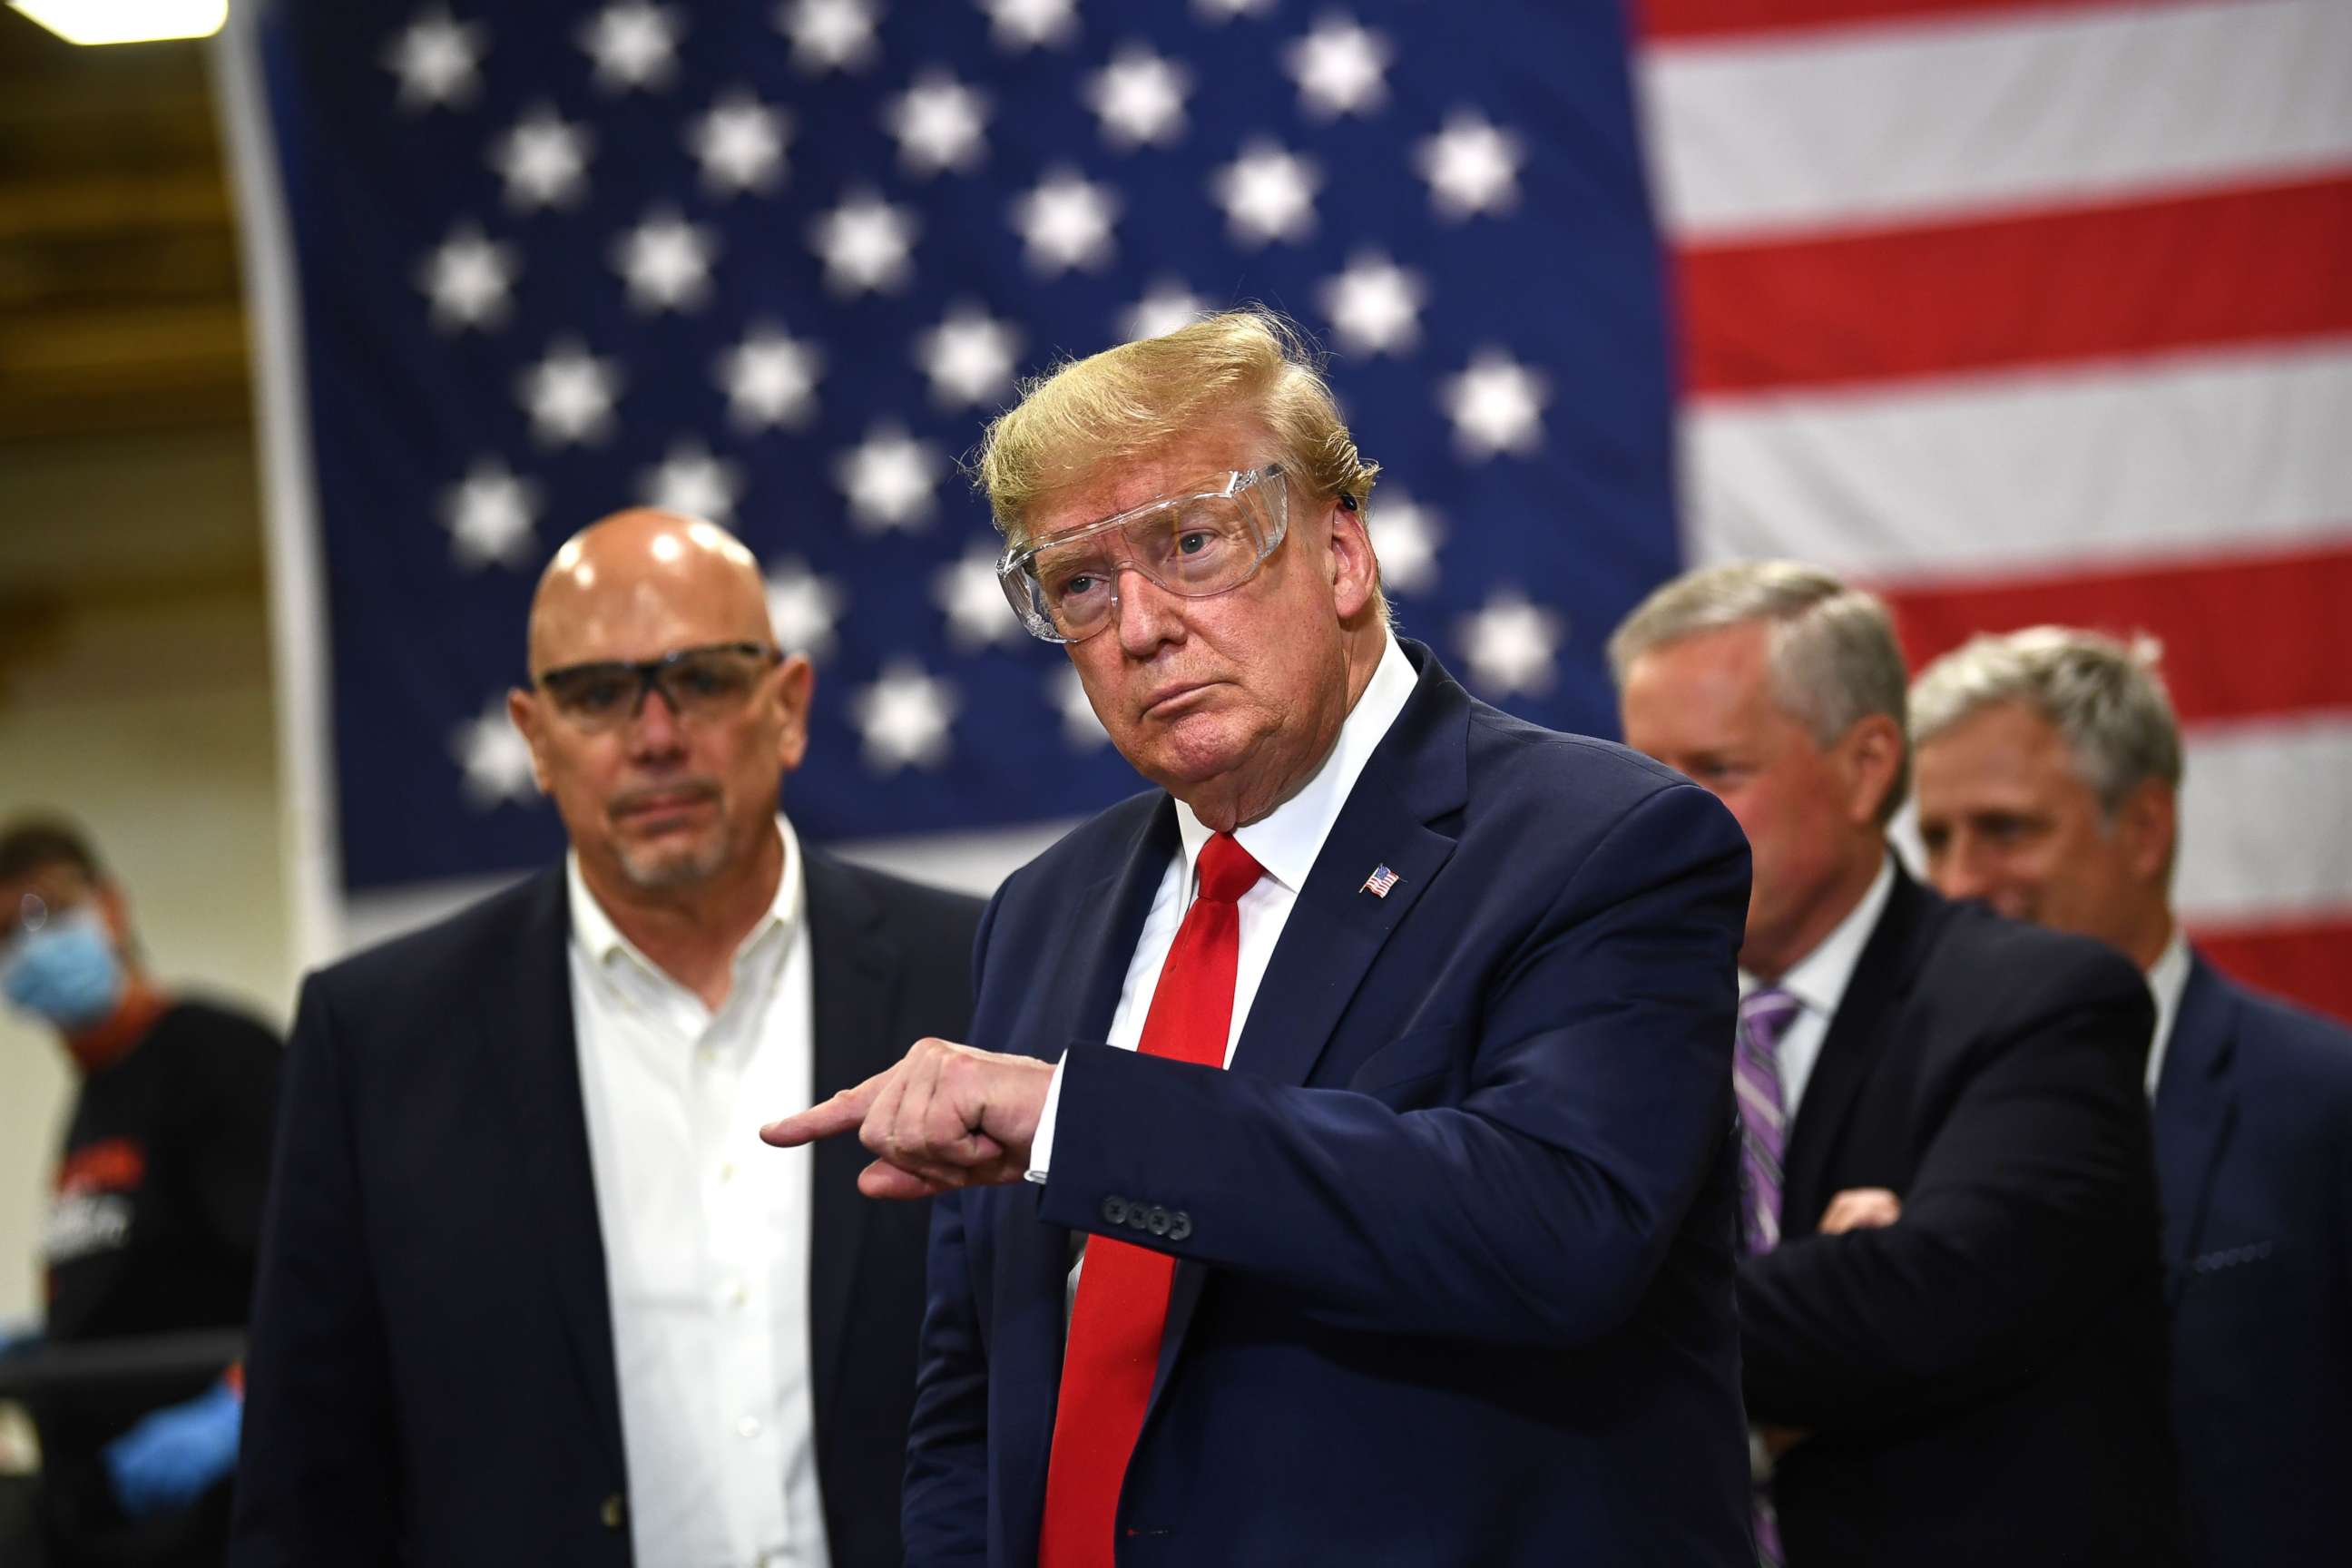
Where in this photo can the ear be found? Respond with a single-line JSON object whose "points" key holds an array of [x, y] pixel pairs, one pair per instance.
{"points": [[796, 685], [114, 909], [523, 713], [1871, 754], [1355, 574], [2148, 822]]}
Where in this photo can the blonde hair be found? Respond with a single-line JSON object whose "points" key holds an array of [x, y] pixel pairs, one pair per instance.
{"points": [[1086, 416]]}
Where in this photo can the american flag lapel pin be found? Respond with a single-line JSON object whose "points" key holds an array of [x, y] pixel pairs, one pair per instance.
{"points": [[1379, 883]]}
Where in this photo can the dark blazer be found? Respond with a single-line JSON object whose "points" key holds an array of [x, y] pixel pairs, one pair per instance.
{"points": [[431, 1379], [2254, 1141], [1454, 1234], [1984, 1380]]}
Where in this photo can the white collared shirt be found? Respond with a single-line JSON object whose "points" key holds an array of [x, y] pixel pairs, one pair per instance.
{"points": [[1285, 841], [2167, 977], [706, 1235], [1819, 980]]}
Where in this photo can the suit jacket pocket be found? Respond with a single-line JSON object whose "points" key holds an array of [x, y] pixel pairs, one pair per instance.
{"points": [[1412, 1061]]}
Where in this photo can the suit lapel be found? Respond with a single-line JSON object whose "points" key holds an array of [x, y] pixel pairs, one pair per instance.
{"points": [[1418, 775], [528, 1031], [1856, 1037], [2196, 1110], [855, 969], [1106, 920]]}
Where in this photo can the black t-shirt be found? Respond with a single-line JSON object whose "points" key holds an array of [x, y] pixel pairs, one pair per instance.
{"points": [[154, 1229]]}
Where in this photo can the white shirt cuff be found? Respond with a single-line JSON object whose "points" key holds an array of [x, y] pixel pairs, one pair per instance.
{"points": [[1041, 1147]]}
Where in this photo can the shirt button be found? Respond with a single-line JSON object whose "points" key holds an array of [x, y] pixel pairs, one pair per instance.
{"points": [[747, 1427], [726, 1171], [737, 1294]]}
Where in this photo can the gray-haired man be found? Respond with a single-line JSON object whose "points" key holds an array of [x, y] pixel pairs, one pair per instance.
{"points": [[2049, 771], [1982, 1381]]}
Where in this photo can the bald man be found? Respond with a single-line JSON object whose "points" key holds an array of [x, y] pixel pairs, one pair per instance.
{"points": [[531, 1292]]}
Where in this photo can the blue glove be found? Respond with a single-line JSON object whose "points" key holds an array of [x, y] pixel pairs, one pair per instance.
{"points": [[170, 1459]]}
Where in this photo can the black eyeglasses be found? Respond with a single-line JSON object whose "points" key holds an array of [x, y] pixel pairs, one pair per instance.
{"points": [[697, 682]]}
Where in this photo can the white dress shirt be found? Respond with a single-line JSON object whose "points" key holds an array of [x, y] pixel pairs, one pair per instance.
{"points": [[706, 1235], [1819, 980], [1285, 841], [2167, 977]]}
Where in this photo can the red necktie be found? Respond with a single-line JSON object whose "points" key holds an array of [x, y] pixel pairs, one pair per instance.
{"points": [[1114, 1342]]}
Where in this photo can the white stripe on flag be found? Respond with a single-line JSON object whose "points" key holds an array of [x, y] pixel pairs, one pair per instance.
{"points": [[2263, 835], [1873, 126], [1998, 474]]}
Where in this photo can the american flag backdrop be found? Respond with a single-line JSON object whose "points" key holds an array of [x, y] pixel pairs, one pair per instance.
{"points": [[2018, 311]]}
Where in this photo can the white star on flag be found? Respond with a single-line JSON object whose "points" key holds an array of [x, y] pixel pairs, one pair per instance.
{"points": [[970, 358], [1139, 98], [1405, 537], [1220, 11], [1339, 68], [544, 159], [939, 125], [867, 245], [1375, 306], [468, 277], [904, 716], [770, 379], [1168, 306], [968, 592], [634, 43], [803, 608], [693, 483], [569, 395], [666, 263], [495, 757], [888, 478], [1511, 646], [1268, 194], [1496, 405], [828, 34], [740, 144], [1080, 728], [438, 60], [1018, 24], [1065, 222], [1471, 166], [488, 514]]}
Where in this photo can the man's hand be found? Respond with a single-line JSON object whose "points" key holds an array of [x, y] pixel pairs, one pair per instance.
{"points": [[946, 1116], [1860, 1208]]}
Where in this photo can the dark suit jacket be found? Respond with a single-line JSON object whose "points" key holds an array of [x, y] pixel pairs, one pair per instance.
{"points": [[1454, 1234], [2253, 1140], [431, 1379], [1984, 1381]]}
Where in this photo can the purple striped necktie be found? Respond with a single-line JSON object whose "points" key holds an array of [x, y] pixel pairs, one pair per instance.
{"points": [[1764, 1015]]}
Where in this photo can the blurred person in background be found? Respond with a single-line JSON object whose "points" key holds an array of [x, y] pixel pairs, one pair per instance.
{"points": [[531, 1291], [157, 1214], [1983, 1383], [2048, 784]]}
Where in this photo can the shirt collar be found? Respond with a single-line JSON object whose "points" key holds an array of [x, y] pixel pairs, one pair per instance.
{"points": [[2167, 977], [602, 940], [1819, 980], [1286, 840]]}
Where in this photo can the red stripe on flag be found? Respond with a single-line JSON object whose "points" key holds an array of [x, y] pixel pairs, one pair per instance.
{"points": [[2239, 265], [2245, 636], [1658, 19], [2308, 961]]}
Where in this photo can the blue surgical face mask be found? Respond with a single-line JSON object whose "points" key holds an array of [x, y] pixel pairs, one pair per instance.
{"points": [[66, 971]]}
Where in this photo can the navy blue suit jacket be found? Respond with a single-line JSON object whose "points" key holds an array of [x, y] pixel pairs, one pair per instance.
{"points": [[2254, 1141], [1454, 1281], [431, 1376]]}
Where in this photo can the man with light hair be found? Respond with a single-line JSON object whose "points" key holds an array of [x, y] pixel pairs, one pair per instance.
{"points": [[1982, 1382], [2049, 775], [1374, 1067]]}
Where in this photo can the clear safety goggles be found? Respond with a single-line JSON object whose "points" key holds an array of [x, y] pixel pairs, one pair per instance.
{"points": [[1066, 588]]}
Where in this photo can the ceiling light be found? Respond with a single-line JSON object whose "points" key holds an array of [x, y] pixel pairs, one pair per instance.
{"points": [[125, 21]]}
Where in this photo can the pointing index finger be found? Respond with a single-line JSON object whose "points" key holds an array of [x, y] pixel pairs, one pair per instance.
{"points": [[844, 1112]]}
